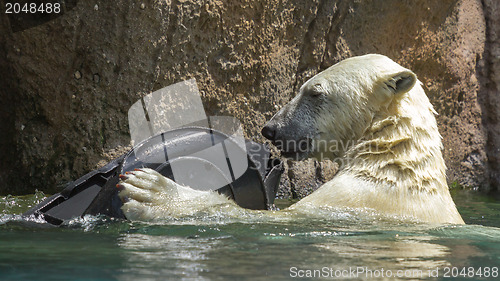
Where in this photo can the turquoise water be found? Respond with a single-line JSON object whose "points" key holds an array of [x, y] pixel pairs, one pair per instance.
{"points": [[324, 243]]}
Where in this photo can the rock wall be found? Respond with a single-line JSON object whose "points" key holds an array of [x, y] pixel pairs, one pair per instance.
{"points": [[67, 83], [489, 90]]}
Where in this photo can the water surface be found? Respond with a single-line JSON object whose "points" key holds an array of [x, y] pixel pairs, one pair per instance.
{"points": [[325, 243]]}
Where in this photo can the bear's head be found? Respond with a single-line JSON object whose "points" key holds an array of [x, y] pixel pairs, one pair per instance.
{"points": [[335, 108]]}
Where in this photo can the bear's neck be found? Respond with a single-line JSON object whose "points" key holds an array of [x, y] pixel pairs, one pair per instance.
{"points": [[401, 149]]}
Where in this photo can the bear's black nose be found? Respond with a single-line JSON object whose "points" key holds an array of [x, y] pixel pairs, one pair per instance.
{"points": [[269, 132]]}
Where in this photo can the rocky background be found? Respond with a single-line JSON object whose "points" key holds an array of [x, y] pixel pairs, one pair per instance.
{"points": [[67, 80]]}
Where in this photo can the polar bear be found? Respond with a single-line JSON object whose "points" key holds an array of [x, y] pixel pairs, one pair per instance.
{"points": [[373, 115], [368, 113]]}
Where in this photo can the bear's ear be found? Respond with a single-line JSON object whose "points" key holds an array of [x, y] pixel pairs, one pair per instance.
{"points": [[401, 82]]}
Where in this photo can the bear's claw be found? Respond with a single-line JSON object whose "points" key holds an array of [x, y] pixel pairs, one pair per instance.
{"points": [[136, 193]]}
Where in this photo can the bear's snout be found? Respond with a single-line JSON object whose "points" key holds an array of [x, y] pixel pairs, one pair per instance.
{"points": [[290, 147]]}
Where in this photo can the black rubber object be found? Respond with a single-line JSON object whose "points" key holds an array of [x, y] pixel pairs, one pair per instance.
{"points": [[96, 193]]}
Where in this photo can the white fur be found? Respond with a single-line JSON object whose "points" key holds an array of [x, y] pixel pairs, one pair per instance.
{"points": [[395, 166], [147, 195], [391, 148]]}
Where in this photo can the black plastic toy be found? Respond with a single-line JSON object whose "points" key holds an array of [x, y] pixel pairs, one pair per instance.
{"points": [[96, 193]]}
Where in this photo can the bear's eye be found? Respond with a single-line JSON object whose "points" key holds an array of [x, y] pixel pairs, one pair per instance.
{"points": [[316, 91]]}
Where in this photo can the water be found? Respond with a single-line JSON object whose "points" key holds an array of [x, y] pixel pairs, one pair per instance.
{"points": [[324, 243]]}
